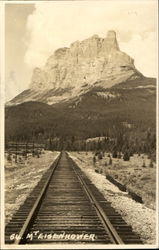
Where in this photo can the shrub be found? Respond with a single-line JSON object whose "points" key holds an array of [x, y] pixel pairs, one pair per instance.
{"points": [[20, 159], [37, 153], [149, 156], [119, 155], [144, 165], [110, 161], [115, 154], [101, 171], [100, 157], [94, 159], [126, 156], [9, 157], [151, 164], [96, 153], [130, 153], [24, 153]]}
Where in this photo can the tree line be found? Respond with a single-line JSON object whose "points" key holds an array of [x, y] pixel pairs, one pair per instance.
{"points": [[121, 144]]}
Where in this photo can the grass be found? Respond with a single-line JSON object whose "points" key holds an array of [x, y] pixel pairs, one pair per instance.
{"points": [[138, 179]]}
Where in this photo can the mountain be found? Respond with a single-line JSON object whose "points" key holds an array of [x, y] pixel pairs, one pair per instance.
{"points": [[89, 90], [93, 114], [71, 72]]}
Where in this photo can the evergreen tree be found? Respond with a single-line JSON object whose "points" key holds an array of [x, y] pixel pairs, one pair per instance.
{"points": [[126, 156]]}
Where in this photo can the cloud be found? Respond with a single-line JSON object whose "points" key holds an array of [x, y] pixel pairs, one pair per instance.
{"points": [[143, 49], [57, 24], [11, 86]]}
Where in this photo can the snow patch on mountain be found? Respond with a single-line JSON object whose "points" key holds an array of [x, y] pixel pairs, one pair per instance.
{"points": [[107, 95]]}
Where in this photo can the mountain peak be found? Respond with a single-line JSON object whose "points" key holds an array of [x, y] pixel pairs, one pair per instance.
{"points": [[88, 61], [95, 61], [111, 34], [111, 40]]}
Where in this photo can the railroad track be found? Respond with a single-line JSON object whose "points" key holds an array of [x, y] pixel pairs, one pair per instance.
{"points": [[65, 207]]}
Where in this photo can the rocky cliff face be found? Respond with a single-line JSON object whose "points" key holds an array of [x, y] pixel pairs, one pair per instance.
{"points": [[72, 72], [92, 60]]}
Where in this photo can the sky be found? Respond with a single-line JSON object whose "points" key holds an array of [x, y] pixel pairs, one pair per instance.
{"points": [[34, 31]]}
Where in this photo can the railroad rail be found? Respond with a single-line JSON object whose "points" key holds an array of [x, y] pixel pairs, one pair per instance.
{"points": [[65, 207]]}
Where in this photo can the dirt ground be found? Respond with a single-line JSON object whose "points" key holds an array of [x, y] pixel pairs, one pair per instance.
{"points": [[22, 177]]}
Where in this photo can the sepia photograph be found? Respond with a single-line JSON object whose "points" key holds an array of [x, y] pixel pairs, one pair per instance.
{"points": [[79, 101]]}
